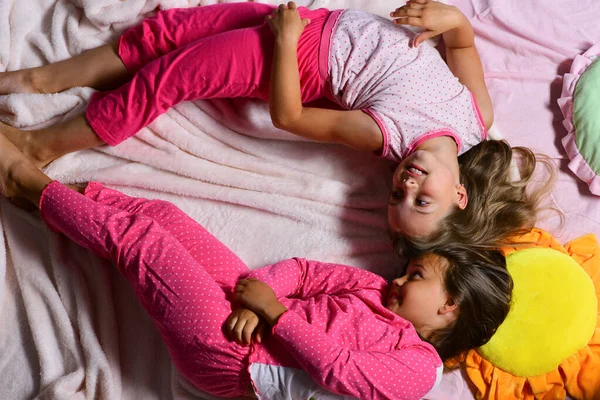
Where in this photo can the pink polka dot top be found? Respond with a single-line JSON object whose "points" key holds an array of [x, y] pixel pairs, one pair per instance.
{"points": [[338, 331], [410, 92]]}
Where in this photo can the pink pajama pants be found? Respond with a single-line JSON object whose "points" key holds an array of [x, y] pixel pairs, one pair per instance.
{"points": [[181, 274], [217, 51]]}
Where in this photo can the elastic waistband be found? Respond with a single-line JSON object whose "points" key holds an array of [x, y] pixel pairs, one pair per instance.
{"points": [[326, 38]]}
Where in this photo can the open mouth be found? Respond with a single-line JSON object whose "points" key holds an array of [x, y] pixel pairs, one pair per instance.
{"points": [[415, 170]]}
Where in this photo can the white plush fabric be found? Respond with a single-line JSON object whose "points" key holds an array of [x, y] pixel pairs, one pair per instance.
{"points": [[71, 327]]}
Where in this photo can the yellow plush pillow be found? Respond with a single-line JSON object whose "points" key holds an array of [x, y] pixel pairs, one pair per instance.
{"points": [[547, 327], [553, 313]]}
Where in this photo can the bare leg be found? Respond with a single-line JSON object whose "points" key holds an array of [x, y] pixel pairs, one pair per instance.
{"points": [[100, 68], [42, 146]]}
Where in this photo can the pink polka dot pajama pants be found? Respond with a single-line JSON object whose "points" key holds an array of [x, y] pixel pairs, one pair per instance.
{"points": [[181, 274]]}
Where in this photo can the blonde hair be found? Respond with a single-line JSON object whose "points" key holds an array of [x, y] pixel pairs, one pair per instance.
{"points": [[499, 205]]}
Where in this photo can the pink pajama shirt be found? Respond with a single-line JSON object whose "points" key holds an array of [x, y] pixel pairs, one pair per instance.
{"points": [[336, 335], [217, 51]]}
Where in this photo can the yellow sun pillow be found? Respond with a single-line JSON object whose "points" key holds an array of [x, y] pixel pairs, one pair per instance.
{"points": [[549, 344], [553, 313]]}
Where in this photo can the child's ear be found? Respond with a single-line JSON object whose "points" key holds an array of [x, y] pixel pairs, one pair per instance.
{"points": [[448, 307], [463, 197]]}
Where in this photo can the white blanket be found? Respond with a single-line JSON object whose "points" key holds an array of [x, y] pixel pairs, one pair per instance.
{"points": [[70, 325]]}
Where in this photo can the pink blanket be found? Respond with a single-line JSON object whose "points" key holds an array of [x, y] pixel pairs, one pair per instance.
{"points": [[71, 327], [526, 47]]}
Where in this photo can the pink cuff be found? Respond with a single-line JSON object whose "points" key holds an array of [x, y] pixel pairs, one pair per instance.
{"points": [[47, 192], [484, 133], [98, 129], [385, 149]]}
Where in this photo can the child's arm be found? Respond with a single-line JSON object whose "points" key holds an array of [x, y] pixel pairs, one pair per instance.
{"points": [[461, 55], [407, 372], [302, 278], [351, 128]]}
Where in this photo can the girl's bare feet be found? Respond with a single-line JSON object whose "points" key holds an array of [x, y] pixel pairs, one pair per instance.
{"points": [[18, 176], [42, 146], [26, 143], [12, 161]]}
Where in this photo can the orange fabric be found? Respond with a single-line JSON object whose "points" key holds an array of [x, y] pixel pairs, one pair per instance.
{"points": [[579, 374]]}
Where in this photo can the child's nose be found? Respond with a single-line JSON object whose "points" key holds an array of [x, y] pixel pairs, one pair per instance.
{"points": [[410, 184], [399, 281]]}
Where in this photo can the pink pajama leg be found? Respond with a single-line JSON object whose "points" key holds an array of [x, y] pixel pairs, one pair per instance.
{"points": [[226, 65], [229, 64], [177, 27], [186, 304], [216, 259]]}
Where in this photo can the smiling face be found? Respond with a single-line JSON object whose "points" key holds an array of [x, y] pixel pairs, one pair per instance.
{"points": [[419, 296], [425, 187]]}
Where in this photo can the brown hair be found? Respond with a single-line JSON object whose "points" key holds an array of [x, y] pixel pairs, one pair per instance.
{"points": [[480, 286]]}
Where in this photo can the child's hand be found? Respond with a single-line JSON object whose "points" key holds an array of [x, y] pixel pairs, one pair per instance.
{"points": [[433, 16], [286, 24], [244, 325], [260, 298]]}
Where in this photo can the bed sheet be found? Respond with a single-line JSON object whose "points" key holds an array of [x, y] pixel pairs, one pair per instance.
{"points": [[71, 327], [526, 48]]}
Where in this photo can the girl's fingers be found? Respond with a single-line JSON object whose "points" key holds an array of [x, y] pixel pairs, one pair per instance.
{"points": [[238, 331], [398, 12], [291, 5], [239, 290], [282, 7], [405, 11], [230, 324], [412, 21], [423, 37], [247, 332], [414, 12], [415, 6], [258, 333]]}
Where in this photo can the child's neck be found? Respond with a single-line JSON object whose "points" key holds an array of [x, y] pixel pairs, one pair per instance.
{"points": [[444, 148], [440, 145]]}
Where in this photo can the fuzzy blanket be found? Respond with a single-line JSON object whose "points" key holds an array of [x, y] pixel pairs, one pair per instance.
{"points": [[71, 327]]}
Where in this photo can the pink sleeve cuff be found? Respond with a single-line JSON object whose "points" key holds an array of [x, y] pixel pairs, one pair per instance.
{"points": [[385, 149], [484, 133]]}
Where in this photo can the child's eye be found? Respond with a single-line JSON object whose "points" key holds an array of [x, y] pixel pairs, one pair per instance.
{"points": [[421, 203], [414, 275], [395, 194]]}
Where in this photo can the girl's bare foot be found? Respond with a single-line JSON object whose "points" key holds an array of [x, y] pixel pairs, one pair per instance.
{"points": [[22, 81], [26, 143], [18, 176], [11, 162]]}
